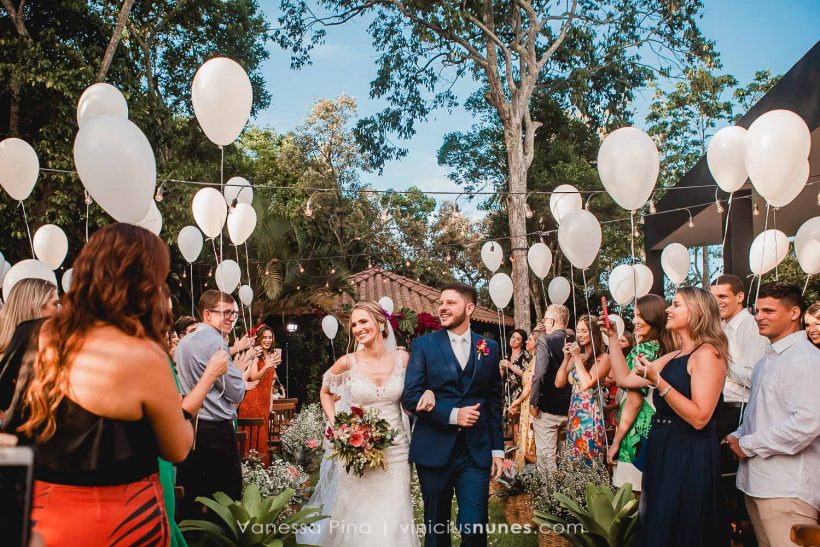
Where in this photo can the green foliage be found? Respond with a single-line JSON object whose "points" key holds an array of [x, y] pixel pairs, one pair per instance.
{"points": [[609, 520], [253, 521]]}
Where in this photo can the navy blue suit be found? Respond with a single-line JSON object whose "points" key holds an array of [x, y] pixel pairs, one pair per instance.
{"points": [[449, 458]]}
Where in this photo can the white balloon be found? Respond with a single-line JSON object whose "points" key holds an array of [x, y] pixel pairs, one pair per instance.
{"points": [[807, 245], [50, 245], [65, 282], [676, 262], [539, 258], [227, 275], [210, 211], [558, 290], [620, 326], [767, 251], [4, 269], [189, 242], [387, 304], [579, 237], [246, 295], [152, 221], [19, 168], [27, 269], [793, 189], [117, 166], [645, 279], [2, 260], [628, 164], [725, 158], [776, 147], [98, 99], [222, 97], [564, 200], [492, 255], [238, 189], [241, 223], [330, 326], [501, 290], [623, 283]]}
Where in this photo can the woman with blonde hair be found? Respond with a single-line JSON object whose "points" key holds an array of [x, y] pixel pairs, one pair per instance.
{"points": [[521, 405], [812, 322], [680, 505], [28, 299]]}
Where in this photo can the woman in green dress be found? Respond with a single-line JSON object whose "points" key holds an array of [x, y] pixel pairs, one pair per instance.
{"points": [[635, 414]]}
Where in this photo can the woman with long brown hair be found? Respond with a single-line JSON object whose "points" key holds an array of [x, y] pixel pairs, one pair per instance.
{"points": [[102, 403], [261, 373], [635, 415], [680, 505], [585, 366]]}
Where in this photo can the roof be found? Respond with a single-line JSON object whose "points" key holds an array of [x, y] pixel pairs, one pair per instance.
{"points": [[374, 283]]}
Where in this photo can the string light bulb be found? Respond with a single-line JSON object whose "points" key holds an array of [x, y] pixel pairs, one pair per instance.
{"points": [[301, 269], [407, 263], [327, 284], [719, 207], [528, 211], [158, 195], [456, 211], [755, 209], [333, 271], [308, 210], [89, 201], [267, 272], [369, 264], [298, 287], [448, 257], [818, 198], [691, 221], [184, 274], [210, 273], [385, 215], [652, 208], [636, 232]]}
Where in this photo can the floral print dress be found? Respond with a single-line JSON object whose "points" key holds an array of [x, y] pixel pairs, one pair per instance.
{"points": [[640, 428], [585, 429]]}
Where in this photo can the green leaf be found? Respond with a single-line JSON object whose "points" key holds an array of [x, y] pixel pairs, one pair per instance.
{"points": [[252, 500], [223, 512], [208, 528]]}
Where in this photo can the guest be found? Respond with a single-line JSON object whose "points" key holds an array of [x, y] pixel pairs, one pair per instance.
{"points": [[680, 504], [521, 405], [636, 410], [613, 399], [258, 400], [185, 325], [778, 444], [99, 426], [585, 366], [549, 404], [214, 466], [512, 371], [812, 320], [278, 390]]}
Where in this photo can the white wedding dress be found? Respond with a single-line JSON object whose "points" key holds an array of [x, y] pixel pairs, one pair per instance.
{"points": [[375, 509]]}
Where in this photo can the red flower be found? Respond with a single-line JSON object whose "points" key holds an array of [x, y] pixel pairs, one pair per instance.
{"points": [[356, 439], [357, 410], [481, 347], [329, 433]]}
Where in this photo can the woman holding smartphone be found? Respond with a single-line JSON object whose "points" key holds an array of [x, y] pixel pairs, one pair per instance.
{"points": [[262, 371]]}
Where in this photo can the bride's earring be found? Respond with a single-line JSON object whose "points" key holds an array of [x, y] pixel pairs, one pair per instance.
{"points": [[381, 329]]}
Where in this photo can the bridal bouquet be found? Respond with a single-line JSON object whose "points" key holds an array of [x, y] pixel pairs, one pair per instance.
{"points": [[359, 439]]}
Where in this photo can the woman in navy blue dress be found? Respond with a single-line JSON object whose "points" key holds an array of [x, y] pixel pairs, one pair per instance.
{"points": [[680, 503]]}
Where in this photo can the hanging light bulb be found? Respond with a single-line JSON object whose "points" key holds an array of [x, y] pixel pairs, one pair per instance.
{"points": [[88, 200], [691, 222], [528, 211], [327, 284], [407, 263], [298, 287], [369, 264], [301, 269], [308, 210], [719, 207], [652, 209], [755, 209], [158, 195], [636, 233], [267, 272], [449, 258], [333, 270], [641, 220], [385, 215], [184, 274], [818, 198], [456, 211], [210, 273]]}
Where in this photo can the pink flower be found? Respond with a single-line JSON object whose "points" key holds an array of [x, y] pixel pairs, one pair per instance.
{"points": [[313, 444], [356, 439], [293, 472], [508, 464]]}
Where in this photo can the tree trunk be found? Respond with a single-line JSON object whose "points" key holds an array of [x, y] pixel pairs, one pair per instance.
{"points": [[115, 40], [518, 222], [704, 251]]}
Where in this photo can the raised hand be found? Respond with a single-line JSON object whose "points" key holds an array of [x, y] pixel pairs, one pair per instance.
{"points": [[217, 364]]}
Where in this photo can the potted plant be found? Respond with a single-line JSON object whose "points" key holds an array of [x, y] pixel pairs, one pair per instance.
{"points": [[608, 520], [570, 479], [253, 520], [513, 493], [302, 438]]}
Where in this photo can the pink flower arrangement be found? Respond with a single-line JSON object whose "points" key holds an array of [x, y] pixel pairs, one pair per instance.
{"points": [[360, 438]]}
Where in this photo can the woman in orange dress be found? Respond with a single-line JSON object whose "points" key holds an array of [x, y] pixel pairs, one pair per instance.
{"points": [[256, 403]]}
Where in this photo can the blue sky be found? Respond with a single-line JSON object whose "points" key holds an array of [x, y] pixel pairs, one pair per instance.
{"points": [[750, 35]]}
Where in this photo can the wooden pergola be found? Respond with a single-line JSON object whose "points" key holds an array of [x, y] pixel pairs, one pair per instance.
{"points": [[799, 91]]}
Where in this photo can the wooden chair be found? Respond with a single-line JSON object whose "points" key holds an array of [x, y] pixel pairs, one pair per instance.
{"points": [[241, 441], [251, 428], [280, 416], [806, 535]]}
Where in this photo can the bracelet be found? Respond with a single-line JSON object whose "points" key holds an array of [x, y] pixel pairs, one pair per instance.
{"points": [[665, 391]]}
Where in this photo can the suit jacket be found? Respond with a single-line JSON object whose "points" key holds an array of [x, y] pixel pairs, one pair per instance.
{"points": [[434, 366], [549, 355]]}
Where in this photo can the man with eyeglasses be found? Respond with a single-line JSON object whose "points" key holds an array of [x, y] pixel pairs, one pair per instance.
{"points": [[213, 465]]}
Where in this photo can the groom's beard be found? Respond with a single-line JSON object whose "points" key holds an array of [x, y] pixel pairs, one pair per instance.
{"points": [[456, 320]]}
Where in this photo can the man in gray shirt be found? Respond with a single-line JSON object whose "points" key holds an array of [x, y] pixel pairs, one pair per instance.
{"points": [[213, 465]]}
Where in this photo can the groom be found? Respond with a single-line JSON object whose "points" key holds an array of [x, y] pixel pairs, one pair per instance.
{"points": [[458, 445]]}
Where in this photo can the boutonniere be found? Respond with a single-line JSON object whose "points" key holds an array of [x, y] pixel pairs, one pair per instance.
{"points": [[481, 349]]}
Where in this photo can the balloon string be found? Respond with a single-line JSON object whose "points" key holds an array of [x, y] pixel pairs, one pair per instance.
{"points": [[221, 189], [247, 263], [216, 259], [632, 234], [572, 290], [595, 361], [763, 254], [241, 304], [806, 285], [774, 222], [502, 331], [332, 350], [726, 232], [193, 314], [87, 213], [28, 230], [544, 294]]}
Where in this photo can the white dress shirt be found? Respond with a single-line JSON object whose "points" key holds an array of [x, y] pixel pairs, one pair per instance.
{"points": [[746, 347], [781, 428], [461, 348]]}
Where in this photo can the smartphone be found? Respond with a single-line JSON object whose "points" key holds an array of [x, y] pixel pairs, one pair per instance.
{"points": [[605, 312], [16, 484], [278, 351]]}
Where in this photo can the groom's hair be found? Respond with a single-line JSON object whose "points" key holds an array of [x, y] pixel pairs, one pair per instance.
{"points": [[466, 291]]}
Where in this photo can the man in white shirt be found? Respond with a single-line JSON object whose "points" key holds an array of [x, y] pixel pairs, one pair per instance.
{"points": [[778, 443]]}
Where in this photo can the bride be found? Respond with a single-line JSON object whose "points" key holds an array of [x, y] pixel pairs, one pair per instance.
{"points": [[375, 509]]}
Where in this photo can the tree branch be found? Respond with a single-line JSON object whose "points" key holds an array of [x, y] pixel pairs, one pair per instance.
{"points": [[115, 40], [16, 16]]}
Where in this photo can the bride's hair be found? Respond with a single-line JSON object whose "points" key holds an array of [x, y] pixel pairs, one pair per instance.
{"points": [[376, 313]]}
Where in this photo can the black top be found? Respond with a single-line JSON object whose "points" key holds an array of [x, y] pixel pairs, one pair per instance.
{"points": [[90, 450], [19, 355], [549, 355]]}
